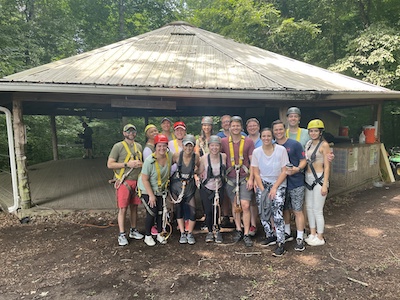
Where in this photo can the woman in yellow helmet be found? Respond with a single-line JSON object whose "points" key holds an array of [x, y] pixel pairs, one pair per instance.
{"points": [[316, 181]]}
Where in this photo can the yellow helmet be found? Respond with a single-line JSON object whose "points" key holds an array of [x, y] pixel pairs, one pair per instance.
{"points": [[316, 124]]}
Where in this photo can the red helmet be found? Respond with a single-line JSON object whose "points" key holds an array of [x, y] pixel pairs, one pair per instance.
{"points": [[179, 124], [160, 138]]}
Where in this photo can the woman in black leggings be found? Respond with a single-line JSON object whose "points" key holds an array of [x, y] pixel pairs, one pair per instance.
{"points": [[212, 170]]}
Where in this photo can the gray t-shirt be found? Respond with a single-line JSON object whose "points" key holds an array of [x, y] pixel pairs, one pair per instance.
{"points": [[149, 168]]}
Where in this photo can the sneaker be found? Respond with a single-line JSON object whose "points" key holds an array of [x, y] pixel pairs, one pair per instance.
{"points": [[247, 240], [149, 240], [288, 237], [122, 240], [203, 226], [269, 241], [252, 231], [279, 251], [237, 236], [154, 230], [190, 239], [209, 237], [309, 238], [316, 242], [226, 223], [183, 239], [135, 234], [161, 239], [299, 245], [218, 237]]}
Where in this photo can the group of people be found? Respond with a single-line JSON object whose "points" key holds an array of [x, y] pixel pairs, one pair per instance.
{"points": [[266, 173]]}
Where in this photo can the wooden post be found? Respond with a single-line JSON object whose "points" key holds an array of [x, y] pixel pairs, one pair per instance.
{"points": [[20, 141], [378, 117], [54, 138], [282, 114]]}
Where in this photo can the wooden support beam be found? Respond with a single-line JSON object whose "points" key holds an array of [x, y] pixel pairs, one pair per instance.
{"points": [[20, 141], [146, 104], [54, 139]]}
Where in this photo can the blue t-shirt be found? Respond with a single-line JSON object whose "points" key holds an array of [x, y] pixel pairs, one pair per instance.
{"points": [[296, 153]]}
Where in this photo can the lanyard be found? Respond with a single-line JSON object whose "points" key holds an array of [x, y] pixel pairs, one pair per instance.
{"points": [[161, 188], [297, 136], [129, 155], [176, 146], [232, 153]]}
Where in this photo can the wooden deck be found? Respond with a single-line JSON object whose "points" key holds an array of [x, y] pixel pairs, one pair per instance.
{"points": [[73, 184]]}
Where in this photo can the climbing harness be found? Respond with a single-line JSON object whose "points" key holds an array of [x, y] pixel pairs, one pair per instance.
{"points": [[217, 209], [121, 175], [184, 178], [166, 225], [297, 136], [210, 173], [310, 161], [238, 208]]}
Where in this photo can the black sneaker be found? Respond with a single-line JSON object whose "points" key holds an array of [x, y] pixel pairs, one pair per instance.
{"points": [[237, 236], [268, 241], [226, 223], [279, 251], [299, 245], [288, 237], [247, 240], [218, 237]]}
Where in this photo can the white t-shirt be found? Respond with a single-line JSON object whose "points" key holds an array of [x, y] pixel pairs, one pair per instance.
{"points": [[270, 166]]}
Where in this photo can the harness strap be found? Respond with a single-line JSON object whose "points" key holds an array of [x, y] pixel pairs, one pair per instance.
{"points": [[176, 146], [147, 207], [210, 173], [297, 136], [317, 180], [232, 153], [128, 156], [162, 187]]}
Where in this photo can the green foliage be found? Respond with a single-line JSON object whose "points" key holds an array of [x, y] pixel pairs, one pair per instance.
{"points": [[256, 23], [34, 33], [374, 56]]}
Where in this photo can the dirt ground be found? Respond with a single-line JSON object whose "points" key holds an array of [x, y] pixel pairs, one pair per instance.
{"points": [[66, 257]]}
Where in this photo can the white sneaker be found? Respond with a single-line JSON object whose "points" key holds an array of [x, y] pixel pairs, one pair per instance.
{"points": [[149, 240], [122, 240], [135, 234], [161, 239], [309, 238], [316, 242]]}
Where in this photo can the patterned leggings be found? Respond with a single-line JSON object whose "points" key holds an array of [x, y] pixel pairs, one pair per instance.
{"points": [[277, 213]]}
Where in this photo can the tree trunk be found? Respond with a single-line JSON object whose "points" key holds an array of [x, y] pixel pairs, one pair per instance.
{"points": [[20, 141]]}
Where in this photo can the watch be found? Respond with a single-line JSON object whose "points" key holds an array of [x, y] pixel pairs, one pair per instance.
{"points": [[125, 165]]}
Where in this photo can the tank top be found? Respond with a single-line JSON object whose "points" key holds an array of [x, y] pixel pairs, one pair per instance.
{"points": [[216, 167], [310, 150]]}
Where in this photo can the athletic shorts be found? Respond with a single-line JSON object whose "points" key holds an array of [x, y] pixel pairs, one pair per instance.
{"points": [[244, 193], [126, 197], [295, 199]]}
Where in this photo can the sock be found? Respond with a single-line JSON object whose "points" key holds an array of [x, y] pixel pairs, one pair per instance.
{"points": [[287, 228], [122, 233], [300, 234]]}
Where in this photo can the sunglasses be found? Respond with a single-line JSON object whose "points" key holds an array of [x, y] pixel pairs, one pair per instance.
{"points": [[130, 130]]}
